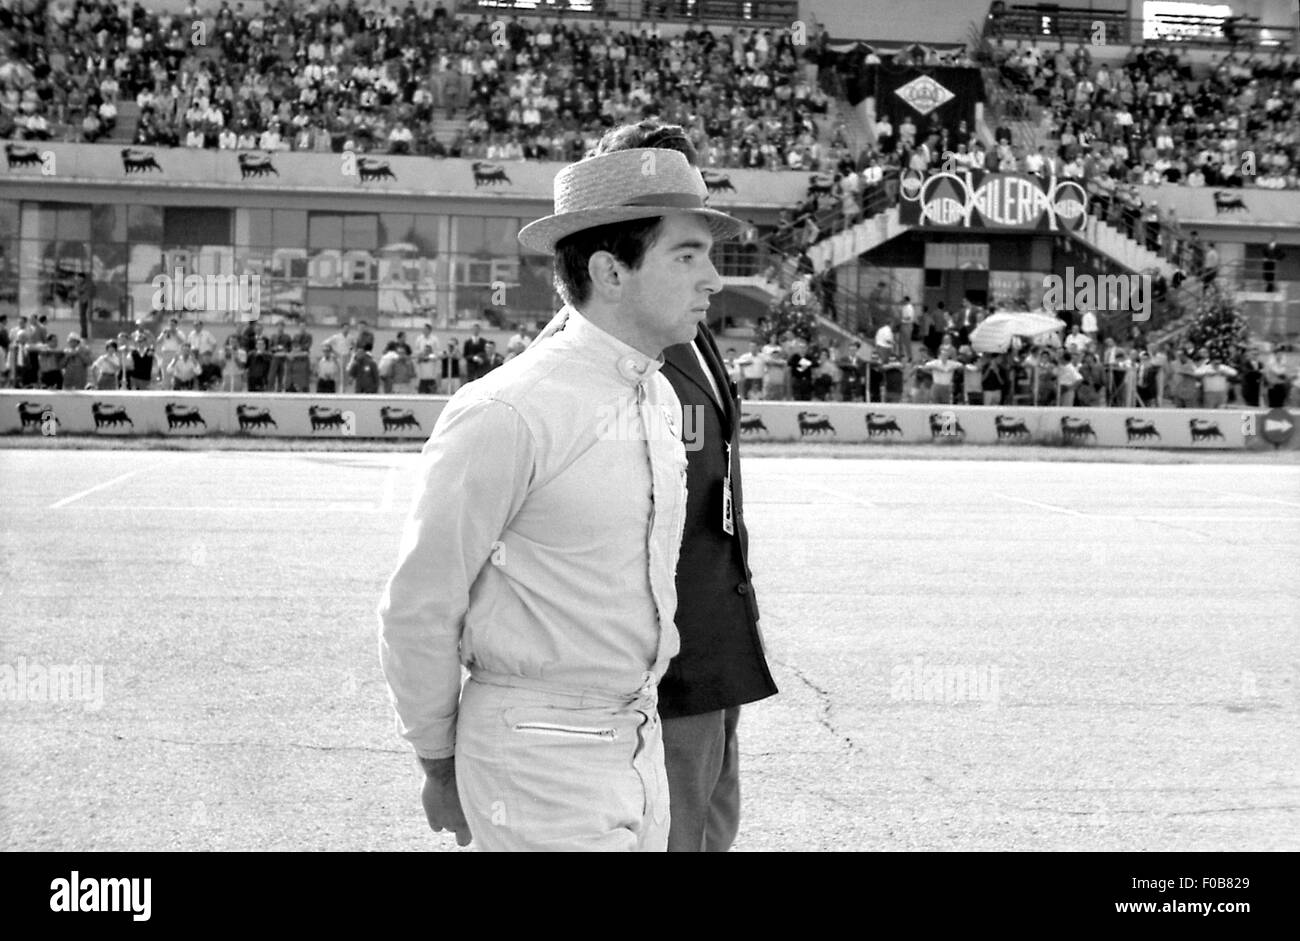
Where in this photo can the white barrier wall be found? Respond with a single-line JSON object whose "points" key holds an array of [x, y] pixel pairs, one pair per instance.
{"points": [[412, 417], [195, 414]]}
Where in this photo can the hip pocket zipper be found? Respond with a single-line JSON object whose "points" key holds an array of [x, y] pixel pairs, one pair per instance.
{"points": [[547, 728]]}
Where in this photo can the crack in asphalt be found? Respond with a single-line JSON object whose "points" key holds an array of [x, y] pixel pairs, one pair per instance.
{"points": [[824, 701]]}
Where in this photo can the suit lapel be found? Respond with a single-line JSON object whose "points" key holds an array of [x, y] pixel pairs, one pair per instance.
{"points": [[704, 340], [682, 358]]}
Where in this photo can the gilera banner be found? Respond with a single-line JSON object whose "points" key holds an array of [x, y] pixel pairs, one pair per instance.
{"points": [[977, 199]]}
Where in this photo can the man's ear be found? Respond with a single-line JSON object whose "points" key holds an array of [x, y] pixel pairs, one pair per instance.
{"points": [[606, 273]]}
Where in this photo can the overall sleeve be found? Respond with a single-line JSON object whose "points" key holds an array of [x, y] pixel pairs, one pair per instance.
{"points": [[474, 475]]}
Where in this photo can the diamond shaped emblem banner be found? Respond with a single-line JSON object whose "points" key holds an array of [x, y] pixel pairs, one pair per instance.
{"points": [[924, 94]]}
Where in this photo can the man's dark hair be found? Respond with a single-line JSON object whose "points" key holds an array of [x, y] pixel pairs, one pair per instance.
{"points": [[626, 241], [648, 133]]}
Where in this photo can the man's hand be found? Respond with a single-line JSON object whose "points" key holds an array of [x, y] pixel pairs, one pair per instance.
{"points": [[441, 801]]}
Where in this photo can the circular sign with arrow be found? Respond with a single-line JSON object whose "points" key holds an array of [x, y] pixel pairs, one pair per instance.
{"points": [[1278, 427]]}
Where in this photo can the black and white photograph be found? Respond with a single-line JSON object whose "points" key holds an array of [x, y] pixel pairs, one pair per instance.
{"points": [[767, 426]]}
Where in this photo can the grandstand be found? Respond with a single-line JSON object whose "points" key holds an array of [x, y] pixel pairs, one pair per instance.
{"points": [[374, 162]]}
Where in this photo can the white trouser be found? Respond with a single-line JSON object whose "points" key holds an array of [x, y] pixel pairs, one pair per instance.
{"points": [[547, 769]]}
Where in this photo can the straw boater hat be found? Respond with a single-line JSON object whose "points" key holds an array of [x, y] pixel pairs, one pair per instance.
{"points": [[622, 186]]}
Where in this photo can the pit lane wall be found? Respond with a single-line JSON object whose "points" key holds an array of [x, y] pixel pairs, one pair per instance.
{"points": [[262, 415]]}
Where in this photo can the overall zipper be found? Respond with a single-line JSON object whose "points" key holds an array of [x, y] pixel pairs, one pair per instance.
{"points": [[564, 730]]}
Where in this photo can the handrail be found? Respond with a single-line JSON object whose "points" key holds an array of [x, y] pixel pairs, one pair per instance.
{"points": [[1051, 22], [760, 13]]}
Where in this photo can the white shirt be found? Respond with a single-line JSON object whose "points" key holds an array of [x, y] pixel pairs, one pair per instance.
{"points": [[544, 540]]}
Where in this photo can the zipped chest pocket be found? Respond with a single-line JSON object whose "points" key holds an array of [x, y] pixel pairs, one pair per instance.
{"points": [[553, 728]]}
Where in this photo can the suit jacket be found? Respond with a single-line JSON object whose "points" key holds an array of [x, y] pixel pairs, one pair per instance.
{"points": [[722, 662], [469, 349]]}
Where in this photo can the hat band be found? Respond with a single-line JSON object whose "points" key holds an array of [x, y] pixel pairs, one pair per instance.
{"points": [[674, 200]]}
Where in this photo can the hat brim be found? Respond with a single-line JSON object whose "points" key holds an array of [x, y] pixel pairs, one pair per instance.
{"points": [[541, 236]]}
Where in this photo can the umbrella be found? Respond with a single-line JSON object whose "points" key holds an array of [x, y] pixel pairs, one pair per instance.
{"points": [[994, 334]]}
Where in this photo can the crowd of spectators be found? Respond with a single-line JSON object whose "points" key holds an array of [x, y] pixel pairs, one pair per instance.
{"points": [[370, 77], [927, 356], [1156, 119], [924, 357], [249, 360]]}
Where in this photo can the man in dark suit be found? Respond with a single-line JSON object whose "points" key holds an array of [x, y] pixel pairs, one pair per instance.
{"points": [[722, 664], [475, 351]]}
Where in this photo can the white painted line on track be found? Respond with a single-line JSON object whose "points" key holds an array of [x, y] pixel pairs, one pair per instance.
{"points": [[390, 485], [1042, 506], [95, 489], [251, 510], [1248, 496]]}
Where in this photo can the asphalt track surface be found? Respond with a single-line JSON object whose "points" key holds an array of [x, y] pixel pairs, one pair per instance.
{"points": [[971, 655]]}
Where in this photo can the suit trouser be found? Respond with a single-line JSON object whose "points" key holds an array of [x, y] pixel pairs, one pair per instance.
{"points": [[702, 754], [542, 768]]}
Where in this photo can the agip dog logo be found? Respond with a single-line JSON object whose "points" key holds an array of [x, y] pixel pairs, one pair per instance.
{"points": [[1077, 430], [489, 174], [398, 419], [1140, 429], [1203, 429], [252, 417], [324, 418], [716, 181], [256, 165], [183, 416], [138, 161], [1227, 201], [1009, 428], [109, 416], [815, 423], [32, 414], [882, 426], [21, 157]]}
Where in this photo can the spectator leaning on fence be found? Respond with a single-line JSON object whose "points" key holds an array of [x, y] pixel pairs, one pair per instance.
{"points": [[941, 371], [364, 371], [76, 363], [1214, 375], [183, 372], [259, 365], [451, 366], [753, 366], [234, 365], [107, 367], [297, 369], [209, 377], [328, 369]]}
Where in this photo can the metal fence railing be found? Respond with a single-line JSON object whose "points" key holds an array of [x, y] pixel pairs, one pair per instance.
{"points": [[1051, 22], [737, 12]]}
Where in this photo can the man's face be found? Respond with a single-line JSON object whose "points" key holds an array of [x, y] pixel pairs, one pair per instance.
{"points": [[668, 296]]}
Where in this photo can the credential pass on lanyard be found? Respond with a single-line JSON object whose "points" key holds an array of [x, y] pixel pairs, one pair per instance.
{"points": [[728, 524]]}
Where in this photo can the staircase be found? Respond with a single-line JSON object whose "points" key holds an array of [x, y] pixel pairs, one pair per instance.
{"points": [[851, 243], [128, 119], [446, 130], [1117, 246], [860, 134]]}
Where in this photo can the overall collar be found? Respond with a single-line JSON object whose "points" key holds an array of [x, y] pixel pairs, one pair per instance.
{"points": [[631, 365]]}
